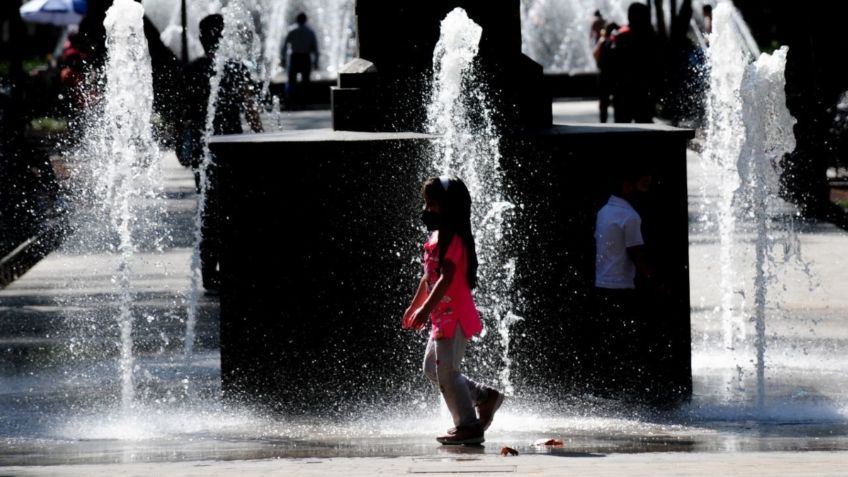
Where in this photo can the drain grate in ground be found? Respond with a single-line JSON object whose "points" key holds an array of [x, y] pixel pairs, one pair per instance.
{"points": [[461, 469]]}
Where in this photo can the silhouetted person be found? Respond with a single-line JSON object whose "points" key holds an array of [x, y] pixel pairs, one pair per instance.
{"points": [[635, 62], [595, 27], [605, 75], [236, 96], [620, 256], [707, 11], [303, 57]]}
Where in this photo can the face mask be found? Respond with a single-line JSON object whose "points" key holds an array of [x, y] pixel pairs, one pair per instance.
{"points": [[431, 220]]}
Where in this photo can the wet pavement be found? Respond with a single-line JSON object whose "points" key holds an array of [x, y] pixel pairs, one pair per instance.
{"points": [[59, 381]]}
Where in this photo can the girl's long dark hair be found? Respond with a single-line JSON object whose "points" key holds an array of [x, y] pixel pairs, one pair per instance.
{"points": [[455, 205]]}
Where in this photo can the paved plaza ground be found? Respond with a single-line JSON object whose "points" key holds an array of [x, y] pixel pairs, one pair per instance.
{"points": [[803, 430], [777, 464]]}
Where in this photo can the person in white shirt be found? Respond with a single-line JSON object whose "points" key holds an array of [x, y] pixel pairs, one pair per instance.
{"points": [[620, 256], [618, 238], [300, 49]]}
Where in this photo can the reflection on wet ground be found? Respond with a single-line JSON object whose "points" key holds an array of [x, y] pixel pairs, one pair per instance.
{"points": [[163, 433], [199, 447]]}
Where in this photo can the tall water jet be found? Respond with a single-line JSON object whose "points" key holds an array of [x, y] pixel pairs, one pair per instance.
{"points": [[124, 162], [727, 60], [768, 136], [750, 129], [467, 146]]}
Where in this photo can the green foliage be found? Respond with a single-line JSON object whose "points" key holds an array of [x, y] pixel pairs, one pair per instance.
{"points": [[30, 65], [36, 63], [47, 125]]}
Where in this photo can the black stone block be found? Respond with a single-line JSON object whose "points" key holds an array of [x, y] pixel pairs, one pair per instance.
{"points": [[321, 249]]}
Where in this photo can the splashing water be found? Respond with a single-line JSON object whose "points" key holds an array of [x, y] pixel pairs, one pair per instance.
{"points": [[468, 147], [122, 167], [750, 129]]}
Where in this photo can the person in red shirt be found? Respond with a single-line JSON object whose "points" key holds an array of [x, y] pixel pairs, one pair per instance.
{"points": [[635, 67], [444, 296]]}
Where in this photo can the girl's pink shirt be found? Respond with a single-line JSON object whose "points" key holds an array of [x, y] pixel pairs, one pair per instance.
{"points": [[457, 306]]}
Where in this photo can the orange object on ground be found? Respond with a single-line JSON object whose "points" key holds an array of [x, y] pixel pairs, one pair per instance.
{"points": [[549, 442], [505, 451]]}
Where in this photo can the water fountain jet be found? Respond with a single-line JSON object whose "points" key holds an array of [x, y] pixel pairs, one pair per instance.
{"points": [[130, 154], [467, 145], [750, 129]]}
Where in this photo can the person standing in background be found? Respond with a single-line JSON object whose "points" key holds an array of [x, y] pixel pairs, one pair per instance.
{"points": [[301, 60], [636, 65], [597, 24], [605, 79], [236, 96], [620, 255]]}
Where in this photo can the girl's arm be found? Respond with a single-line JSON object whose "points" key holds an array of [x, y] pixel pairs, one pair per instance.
{"points": [[421, 314], [418, 299]]}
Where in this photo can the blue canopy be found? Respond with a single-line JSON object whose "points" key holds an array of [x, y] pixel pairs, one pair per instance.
{"points": [[54, 12]]}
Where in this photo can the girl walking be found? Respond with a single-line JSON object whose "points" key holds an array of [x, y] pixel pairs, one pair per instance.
{"points": [[444, 298]]}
